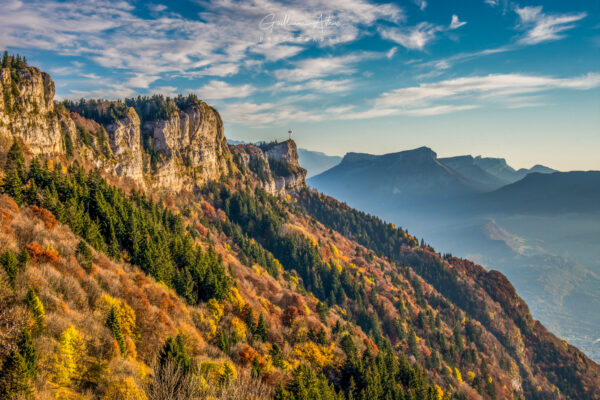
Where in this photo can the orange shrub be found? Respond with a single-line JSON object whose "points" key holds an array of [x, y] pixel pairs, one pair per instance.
{"points": [[46, 216], [248, 354], [8, 203], [38, 254]]}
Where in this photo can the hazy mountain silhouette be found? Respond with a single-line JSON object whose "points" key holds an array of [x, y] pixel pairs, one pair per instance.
{"points": [[413, 179], [558, 192], [531, 224], [466, 166], [316, 162]]}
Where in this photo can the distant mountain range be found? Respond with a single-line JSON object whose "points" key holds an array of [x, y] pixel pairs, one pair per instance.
{"points": [[536, 225], [316, 162], [418, 179]]}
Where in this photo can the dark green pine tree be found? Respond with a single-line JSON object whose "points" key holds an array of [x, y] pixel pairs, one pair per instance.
{"points": [[255, 372], [15, 160], [250, 321], [223, 343], [261, 329], [13, 186], [15, 382], [175, 351], [113, 323], [10, 264], [28, 352], [84, 255]]}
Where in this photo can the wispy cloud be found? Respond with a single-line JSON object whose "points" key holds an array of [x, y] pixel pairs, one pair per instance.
{"points": [[414, 38], [220, 39], [215, 90], [456, 23], [319, 67], [478, 88], [422, 4], [541, 27], [317, 85], [419, 36]]}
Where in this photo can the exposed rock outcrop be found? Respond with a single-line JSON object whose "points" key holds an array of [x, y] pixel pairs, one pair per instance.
{"points": [[125, 142], [275, 164], [27, 111], [192, 146], [187, 147]]}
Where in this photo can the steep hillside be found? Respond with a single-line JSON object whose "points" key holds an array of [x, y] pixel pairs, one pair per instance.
{"points": [[235, 280]]}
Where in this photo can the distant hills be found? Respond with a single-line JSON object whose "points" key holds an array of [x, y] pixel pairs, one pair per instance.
{"points": [[316, 162], [539, 226], [557, 192], [418, 179]]}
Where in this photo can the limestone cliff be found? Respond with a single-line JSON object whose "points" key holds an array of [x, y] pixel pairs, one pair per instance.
{"points": [[275, 164], [192, 147], [178, 143], [27, 111], [125, 142]]}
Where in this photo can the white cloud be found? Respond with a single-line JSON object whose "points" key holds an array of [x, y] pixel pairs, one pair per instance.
{"points": [[273, 52], [418, 36], [215, 90], [542, 27], [414, 38], [311, 68], [141, 81], [391, 52], [113, 35], [483, 87], [317, 85], [455, 23], [422, 4]]}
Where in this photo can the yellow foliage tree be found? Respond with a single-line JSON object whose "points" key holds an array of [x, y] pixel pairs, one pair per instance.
{"points": [[218, 372], [125, 313], [215, 309], [238, 330], [439, 392], [69, 360], [458, 375], [124, 389], [317, 356], [236, 299]]}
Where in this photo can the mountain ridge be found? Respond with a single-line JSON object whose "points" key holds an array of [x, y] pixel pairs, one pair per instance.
{"points": [[218, 281]]}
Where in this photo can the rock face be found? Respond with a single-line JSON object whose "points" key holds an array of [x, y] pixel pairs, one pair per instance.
{"points": [[125, 142], [192, 146], [27, 111], [275, 164], [188, 147]]}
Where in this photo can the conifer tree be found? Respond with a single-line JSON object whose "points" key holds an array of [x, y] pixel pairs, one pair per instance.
{"points": [[10, 264], [113, 323], [37, 309], [175, 351], [13, 186], [14, 377], [261, 328], [29, 352]]}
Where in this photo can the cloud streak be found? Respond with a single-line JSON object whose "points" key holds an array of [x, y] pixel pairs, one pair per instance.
{"points": [[419, 36], [542, 27]]}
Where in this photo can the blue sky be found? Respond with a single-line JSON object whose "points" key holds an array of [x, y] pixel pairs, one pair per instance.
{"points": [[519, 80]]}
